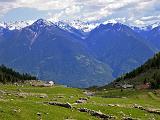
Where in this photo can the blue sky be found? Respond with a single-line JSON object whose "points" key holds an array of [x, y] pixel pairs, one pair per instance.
{"points": [[136, 12]]}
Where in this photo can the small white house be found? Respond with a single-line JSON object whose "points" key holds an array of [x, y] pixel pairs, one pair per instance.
{"points": [[127, 86], [51, 83], [48, 84]]}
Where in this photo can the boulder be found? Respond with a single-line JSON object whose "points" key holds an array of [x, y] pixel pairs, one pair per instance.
{"points": [[16, 110], [2, 92], [83, 99], [39, 114], [150, 110], [66, 105], [80, 101], [130, 118], [71, 97], [96, 113], [43, 96]]}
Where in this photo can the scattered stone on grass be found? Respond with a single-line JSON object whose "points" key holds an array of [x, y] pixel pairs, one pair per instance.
{"points": [[88, 93], [82, 100], [60, 97], [66, 105], [9, 94], [47, 113], [21, 95], [39, 114], [130, 118], [15, 110], [54, 99], [71, 97], [43, 96], [97, 114], [2, 92], [139, 107], [124, 97], [150, 110], [19, 90], [122, 113], [114, 105]]}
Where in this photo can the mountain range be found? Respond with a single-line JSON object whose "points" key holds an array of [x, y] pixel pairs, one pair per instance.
{"points": [[74, 56]]}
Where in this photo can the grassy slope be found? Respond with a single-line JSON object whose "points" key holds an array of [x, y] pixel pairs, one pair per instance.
{"points": [[32, 104]]}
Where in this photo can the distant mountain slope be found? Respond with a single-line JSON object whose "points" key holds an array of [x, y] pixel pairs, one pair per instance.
{"points": [[151, 34], [119, 46], [148, 72], [52, 53], [68, 55], [8, 75], [153, 37]]}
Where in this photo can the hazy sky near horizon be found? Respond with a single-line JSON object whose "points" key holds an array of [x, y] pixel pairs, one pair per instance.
{"points": [[137, 12]]}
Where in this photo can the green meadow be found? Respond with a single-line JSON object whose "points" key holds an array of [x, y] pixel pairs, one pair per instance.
{"points": [[27, 102]]}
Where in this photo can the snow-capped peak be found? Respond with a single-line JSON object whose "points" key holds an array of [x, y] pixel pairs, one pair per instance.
{"points": [[84, 26], [79, 25], [15, 25], [66, 25], [69, 25], [155, 25], [110, 21], [147, 27], [63, 25], [42, 22], [3, 25]]}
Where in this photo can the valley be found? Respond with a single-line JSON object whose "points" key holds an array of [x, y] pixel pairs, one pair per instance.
{"points": [[79, 59], [27, 102], [74, 56], [35, 99]]}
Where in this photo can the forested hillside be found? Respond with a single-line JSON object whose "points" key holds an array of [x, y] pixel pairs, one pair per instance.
{"points": [[147, 73], [8, 75]]}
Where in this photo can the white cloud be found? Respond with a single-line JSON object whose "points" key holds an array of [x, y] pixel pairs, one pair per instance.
{"points": [[73, 9], [148, 18], [139, 22], [131, 11]]}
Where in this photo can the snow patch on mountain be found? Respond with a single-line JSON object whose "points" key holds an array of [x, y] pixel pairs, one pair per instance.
{"points": [[64, 26], [77, 24], [147, 27], [69, 25], [84, 26], [155, 25], [110, 21], [15, 25], [43, 23]]}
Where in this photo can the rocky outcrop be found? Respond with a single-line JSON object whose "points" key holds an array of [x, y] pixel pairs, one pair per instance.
{"points": [[155, 111], [2, 92], [150, 110], [89, 93], [96, 113], [66, 105], [82, 100], [129, 118]]}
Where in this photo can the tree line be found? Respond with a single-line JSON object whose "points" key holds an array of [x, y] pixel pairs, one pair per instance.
{"points": [[152, 64], [8, 75]]}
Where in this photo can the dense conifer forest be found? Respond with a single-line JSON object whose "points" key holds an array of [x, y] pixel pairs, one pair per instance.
{"points": [[148, 72], [8, 75]]}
